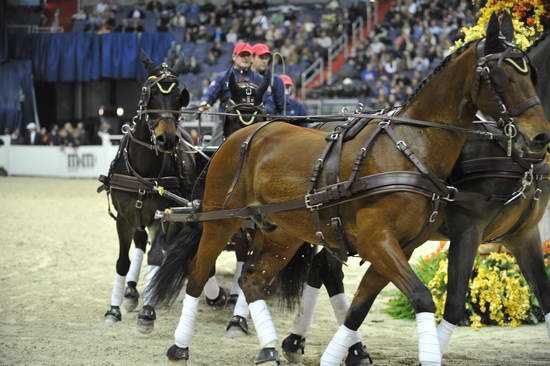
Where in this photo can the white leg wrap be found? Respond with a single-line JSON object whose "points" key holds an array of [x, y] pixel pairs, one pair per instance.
{"points": [[429, 353], [444, 333], [235, 286], [241, 307], [135, 266], [151, 270], [302, 321], [547, 318], [186, 325], [337, 349], [265, 329], [340, 306], [212, 288], [118, 290]]}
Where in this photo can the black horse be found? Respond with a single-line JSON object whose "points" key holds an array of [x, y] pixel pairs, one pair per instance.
{"points": [[152, 161], [503, 199]]}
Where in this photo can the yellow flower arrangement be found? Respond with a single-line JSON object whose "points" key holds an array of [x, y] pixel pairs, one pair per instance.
{"points": [[526, 16]]}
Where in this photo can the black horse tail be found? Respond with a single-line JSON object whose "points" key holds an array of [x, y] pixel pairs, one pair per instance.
{"points": [[170, 278], [289, 283]]}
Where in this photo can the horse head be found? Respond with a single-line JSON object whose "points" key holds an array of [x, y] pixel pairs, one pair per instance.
{"points": [[245, 102], [161, 99], [504, 89]]}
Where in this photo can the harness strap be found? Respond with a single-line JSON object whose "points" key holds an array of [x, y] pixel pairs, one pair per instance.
{"points": [[388, 182], [516, 110], [244, 150]]}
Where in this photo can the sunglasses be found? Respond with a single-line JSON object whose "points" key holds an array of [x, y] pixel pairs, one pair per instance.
{"points": [[245, 54]]}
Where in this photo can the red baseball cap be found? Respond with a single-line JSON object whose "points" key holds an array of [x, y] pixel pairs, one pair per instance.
{"points": [[242, 47], [286, 79], [260, 49]]}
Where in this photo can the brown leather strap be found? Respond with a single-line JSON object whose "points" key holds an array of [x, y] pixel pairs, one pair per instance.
{"points": [[388, 182], [245, 146], [518, 109]]}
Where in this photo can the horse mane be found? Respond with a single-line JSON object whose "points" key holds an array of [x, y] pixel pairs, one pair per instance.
{"points": [[538, 41], [437, 69]]}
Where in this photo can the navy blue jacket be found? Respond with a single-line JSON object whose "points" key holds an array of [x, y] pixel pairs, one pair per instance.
{"points": [[278, 92], [219, 88], [294, 108]]}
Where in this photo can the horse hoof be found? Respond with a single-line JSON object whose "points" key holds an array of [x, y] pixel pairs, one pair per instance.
{"points": [[219, 301], [293, 348], [232, 299], [146, 319], [131, 298], [237, 327], [113, 315], [358, 355], [177, 355], [267, 356]]}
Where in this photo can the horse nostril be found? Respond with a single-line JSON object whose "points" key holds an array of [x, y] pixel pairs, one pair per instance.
{"points": [[160, 139], [541, 139]]}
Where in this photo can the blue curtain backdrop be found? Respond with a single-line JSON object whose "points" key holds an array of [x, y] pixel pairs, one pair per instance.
{"points": [[87, 56], [15, 76]]}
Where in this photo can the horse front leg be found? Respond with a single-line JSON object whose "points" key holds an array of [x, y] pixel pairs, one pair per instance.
{"points": [[131, 294], [389, 261], [276, 251], [526, 247], [147, 314], [465, 238], [213, 240], [125, 233]]}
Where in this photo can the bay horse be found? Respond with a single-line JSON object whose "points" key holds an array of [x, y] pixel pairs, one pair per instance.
{"points": [[384, 228], [151, 157], [493, 211]]}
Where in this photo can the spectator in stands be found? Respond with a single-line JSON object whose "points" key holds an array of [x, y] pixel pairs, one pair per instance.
{"points": [[217, 48], [102, 6], [261, 58], [193, 67], [219, 35], [179, 20], [202, 35], [136, 13], [211, 59], [233, 35], [54, 135], [31, 137], [80, 134], [44, 137], [292, 106], [80, 15], [123, 27], [135, 26], [104, 28], [163, 22], [155, 6], [16, 138]]}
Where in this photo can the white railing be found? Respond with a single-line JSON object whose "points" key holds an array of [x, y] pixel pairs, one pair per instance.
{"points": [[36, 29], [340, 45], [316, 69], [357, 33]]}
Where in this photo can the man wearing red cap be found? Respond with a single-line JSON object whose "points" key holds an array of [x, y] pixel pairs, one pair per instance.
{"points": [[219, 87], [261, 58], [293, 107]]}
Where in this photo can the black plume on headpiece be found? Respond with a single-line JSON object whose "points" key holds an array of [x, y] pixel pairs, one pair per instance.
{"points": [[147, 62]]}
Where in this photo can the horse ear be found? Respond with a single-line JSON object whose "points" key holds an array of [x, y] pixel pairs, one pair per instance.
{"points": [[492, 41], [147, 62], [507, 27], [184, 98], [263, 86], [233, 85]]}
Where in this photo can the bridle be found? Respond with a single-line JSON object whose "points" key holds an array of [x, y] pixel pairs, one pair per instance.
{"points": [[497, 82], [144, 114], [247, 109]]}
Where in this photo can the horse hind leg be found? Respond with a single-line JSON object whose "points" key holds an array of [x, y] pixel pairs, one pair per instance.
{"points": [[131, 294], [277, 250], [125, 233]]}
